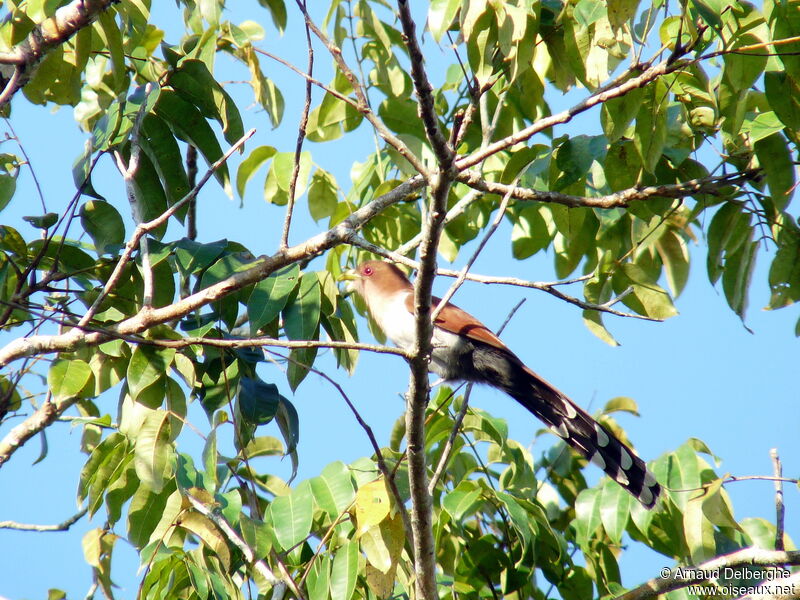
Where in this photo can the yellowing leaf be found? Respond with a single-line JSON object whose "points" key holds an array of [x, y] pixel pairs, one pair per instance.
{"points": [[372, 505]]}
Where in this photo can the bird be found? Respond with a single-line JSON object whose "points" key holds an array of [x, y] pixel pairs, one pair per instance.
{"points": [[464, 349]]}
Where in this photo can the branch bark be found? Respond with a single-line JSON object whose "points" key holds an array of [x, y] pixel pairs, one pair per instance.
{"points": [[48, 34], [42, 417]]}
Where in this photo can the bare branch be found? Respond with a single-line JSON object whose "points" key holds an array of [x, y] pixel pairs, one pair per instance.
{"points": [[549, 287], [263, 267], [63, 526], [676, 579], [419, 387], [427, 111], [705, 185], [602, 95], [265, 341]]}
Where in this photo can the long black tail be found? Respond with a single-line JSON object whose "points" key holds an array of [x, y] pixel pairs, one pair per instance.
{"points": [[502, 369], [591, 439]]}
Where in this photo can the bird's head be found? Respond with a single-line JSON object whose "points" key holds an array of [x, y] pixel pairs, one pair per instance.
{"points": [[375, 277]]}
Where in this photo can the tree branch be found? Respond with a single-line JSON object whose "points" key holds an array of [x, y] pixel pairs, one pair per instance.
{"points": [[279, 587], [676, 579], [363, 103], [623, 198], [63, 526], [263, 267], [549, 287], [41, 418], [48, 34]]}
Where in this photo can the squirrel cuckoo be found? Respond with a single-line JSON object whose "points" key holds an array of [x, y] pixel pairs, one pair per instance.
{"points": [[465, 349]]}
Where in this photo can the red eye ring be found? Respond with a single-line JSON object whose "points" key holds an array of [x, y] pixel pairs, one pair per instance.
{"points": [[368, 271]]}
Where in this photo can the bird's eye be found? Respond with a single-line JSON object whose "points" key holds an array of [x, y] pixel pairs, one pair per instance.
{"points": [[368, 271]]}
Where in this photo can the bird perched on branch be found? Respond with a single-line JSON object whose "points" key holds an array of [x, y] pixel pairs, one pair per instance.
{"points": [[465, 349]]}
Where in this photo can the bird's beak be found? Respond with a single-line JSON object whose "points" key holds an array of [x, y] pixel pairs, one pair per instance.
{"points": [[350, 277]]}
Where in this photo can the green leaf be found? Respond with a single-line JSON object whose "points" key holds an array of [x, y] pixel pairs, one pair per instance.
{"points": [[146, 366], [322, 197], [593, 319], [154, 457], [8, 185], [618, 113], [621, 11], [279, 178], [621, 404], [651, 124], [587, 515], [188, 124], [195, 84], [784, 272], [344, 571], [462, 500], [67, 377], [193, 257], [776, 160], [257, 400], [333, 490], [301, 316], [764, 125], [45, 221], [615, 508], [146, 510], [699, 532], [251, 164], [726, 232], [744, 67], [257, 535], [269, 297], [162, 149], [737, 274], [440, 16], [783, 94], [674, 255], [291, 516], [111, 38], [587, 12], [104, 224], [277, 10]]}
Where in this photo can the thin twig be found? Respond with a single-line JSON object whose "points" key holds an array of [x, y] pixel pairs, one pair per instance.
{"points": [[550, 288], [706, 185], [143, 228], [63, 526], [301, 136], [279, 586], [363, 103], [384, 469], [463, 274], [779, 507]]}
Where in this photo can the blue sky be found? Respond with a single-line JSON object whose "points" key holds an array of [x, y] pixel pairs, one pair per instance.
{"points": [[700, 374]]}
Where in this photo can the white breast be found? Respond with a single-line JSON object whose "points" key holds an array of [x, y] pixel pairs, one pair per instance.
{"points": [[397, 323]]}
